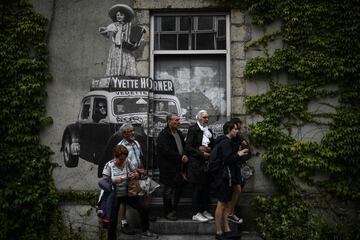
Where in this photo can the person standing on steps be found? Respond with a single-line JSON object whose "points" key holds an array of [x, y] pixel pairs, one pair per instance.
{"points": [[238, 180], [199, 142], [171, 155], [230, 154]]}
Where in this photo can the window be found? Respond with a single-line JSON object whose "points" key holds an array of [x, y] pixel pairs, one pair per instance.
{"points": [[130, 105], [85, 111], [193, 50], [190, 32]]}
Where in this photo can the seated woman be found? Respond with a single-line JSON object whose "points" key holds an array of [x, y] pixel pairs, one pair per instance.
{"points": [[120, 170]]}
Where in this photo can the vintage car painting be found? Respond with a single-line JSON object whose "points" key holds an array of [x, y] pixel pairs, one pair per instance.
{"points": [[111, 102]]}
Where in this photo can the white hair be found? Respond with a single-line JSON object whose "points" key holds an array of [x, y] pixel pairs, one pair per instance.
{"points": [[200, 113], [124, 128]]}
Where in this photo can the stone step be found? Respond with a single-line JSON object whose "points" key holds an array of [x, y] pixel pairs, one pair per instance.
{"points": [[243, 236]]}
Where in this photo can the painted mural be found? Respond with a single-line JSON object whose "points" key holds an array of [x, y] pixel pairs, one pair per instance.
{"points": [[183, 85]]}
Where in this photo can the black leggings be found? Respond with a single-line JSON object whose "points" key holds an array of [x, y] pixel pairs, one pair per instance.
{"points": [[135, 202]]}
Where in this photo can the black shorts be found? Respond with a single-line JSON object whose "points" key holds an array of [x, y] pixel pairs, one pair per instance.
{"points": [[224, 191], [236, 177]]}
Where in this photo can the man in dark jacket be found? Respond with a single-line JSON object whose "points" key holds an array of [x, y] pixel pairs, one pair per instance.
{"points": [[171, 156], [199, 142]]}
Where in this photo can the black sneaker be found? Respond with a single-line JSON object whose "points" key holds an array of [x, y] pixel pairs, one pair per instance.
{"points": [[231, 235], [125, 228], [149, 234], [152, 218], [221, 237], [171, 216]]}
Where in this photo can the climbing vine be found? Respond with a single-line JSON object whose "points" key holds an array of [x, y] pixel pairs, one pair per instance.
{"points": [[28, 198], [317, 181]]}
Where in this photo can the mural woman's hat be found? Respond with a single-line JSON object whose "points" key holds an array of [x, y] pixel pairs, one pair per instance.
{"points": [[125, 9]]}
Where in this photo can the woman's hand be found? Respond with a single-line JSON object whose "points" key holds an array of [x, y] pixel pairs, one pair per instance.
{"points": [[117, 180], [140, 171], [243, 152], [134, 175]]}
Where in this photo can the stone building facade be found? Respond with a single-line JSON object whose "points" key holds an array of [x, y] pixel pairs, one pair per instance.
{"points": [[77, 53]]}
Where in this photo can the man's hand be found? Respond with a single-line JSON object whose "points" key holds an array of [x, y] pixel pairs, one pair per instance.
{"points": [[184, 159]]}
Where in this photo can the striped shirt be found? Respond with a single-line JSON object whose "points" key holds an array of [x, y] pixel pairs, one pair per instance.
{"points": [[111, 170]]}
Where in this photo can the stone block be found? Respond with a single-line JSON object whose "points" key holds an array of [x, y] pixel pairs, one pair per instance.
{"points": [[256, 87], [237, 105], [237, 50], [240, 33], [237, 68], [237, 17], [238, 87]]}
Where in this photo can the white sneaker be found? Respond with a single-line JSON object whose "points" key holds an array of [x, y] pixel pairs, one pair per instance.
{"points": [[200, 218], [207, 215]]}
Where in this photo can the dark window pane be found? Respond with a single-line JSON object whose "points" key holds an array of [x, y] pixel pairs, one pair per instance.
{"points": [[185, 23], [168, 24], [156, 42], [183, 42], [157, 19], [168, 42], [205, 23], [221, 28], [221, 44], [205, 41]]}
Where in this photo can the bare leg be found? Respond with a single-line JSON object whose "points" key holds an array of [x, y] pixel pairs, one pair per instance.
{"points": [[226, 221], [234, 199], [219, 213], [122, 211]]}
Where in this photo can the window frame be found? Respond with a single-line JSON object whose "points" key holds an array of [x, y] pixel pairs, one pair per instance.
{"points": [[225, 51]]}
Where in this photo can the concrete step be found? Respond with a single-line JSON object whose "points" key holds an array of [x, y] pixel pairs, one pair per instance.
{"points": [[243, 236], [184, 226]]}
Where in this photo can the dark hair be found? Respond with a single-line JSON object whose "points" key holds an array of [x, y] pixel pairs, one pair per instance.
{"points": [[236, 120], [228, 126], [120, 149]]}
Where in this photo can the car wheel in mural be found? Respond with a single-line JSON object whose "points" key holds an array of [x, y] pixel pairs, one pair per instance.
{"points": [[70, 159]]}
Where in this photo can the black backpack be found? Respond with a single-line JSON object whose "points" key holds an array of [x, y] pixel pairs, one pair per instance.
{"points": [[215, 161]]}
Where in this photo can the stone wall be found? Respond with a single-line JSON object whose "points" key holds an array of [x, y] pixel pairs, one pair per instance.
{"points": [[78, 52]]}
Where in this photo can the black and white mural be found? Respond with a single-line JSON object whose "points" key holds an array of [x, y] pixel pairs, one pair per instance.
{"points": [[116, 94]]}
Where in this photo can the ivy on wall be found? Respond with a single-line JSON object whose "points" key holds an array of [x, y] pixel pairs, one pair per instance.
{"points": [[321, 49], [28, 198]]}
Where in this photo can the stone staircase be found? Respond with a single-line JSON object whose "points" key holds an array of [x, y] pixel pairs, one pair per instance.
{"points": [[184, 227]]}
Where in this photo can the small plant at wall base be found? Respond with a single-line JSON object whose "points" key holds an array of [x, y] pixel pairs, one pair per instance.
{"points": [[321, 49], [28, 196]]}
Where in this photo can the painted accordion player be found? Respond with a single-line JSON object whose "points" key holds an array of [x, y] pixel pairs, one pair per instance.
{"points": [[134, 38]]}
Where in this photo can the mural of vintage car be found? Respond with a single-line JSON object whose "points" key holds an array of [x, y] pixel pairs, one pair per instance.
{"points": [[111, 102]]}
